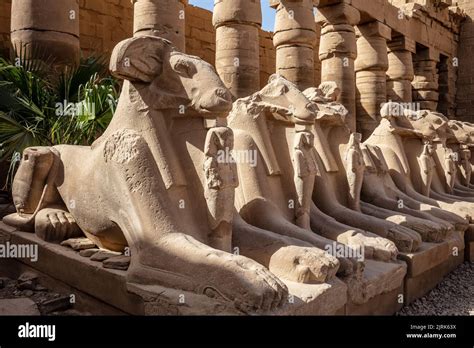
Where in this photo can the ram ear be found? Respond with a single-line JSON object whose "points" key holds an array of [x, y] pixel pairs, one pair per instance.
{"points": [[139, 59]]}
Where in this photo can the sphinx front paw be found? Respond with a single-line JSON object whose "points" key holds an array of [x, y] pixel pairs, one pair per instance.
{"points": [[304, 265], [56, 225]]}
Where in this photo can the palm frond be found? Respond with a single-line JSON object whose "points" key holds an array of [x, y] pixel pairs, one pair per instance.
{"points": [[40, 108]]}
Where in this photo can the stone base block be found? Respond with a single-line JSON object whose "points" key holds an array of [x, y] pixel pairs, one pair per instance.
{"points": [[111, 288], [469, 251], [469, 242], [384, 304], [428, 266], [84, 303], [383, 285]]}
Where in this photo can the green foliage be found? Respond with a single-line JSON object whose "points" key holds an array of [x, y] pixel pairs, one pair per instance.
{"points": [[40, 106]]}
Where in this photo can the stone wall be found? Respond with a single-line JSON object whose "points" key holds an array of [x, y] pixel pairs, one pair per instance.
{"points": [[465, 82], [5, 9], [103, 23]]}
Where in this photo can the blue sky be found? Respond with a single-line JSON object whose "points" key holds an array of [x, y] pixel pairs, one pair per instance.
{"points": [[267, 11]]}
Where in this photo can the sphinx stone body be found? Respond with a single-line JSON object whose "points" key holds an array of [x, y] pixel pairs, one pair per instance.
{"points": [[398, 184], [170, 245], [332, 187]]}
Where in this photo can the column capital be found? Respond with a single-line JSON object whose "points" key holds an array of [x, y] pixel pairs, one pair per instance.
{"points": [[341, 13], [375, 28], [294, 23], [184, 2], [402, 43], [276, 3], [237, 11]]}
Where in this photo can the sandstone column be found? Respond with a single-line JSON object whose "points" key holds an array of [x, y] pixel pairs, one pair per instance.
{"points": [[164, 18], [237, 24], [447, 87], [400, 72], [46, 29], [443, 89], [317, 62], [294, 39], [426, 82], [338, 51], [371, 67]]}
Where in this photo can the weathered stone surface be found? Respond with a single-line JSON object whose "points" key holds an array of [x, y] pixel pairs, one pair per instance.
{"points": [[103, 255], [117, 262], [58, 304], [237, 24], [163, 18], [294, 39], [400, 71], [314, 184], [338, 51], [27, 276], [18, 306], [47, 28], [79, 244], [426, 81], [371, 66], [88, 252]]}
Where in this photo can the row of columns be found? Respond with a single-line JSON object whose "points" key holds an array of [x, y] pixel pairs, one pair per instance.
{"points": [[372, 66], [368, 64]]}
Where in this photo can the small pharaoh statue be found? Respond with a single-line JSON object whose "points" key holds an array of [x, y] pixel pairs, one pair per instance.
{"points": [[450, 169], [466, 164], [427, 167], [221, 181], [305, 168], [355, 167]]}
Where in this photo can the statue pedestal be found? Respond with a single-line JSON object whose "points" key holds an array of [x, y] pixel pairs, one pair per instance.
{"points": [[469, 238], [108, 290], [382, 285], [428, 266]]}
